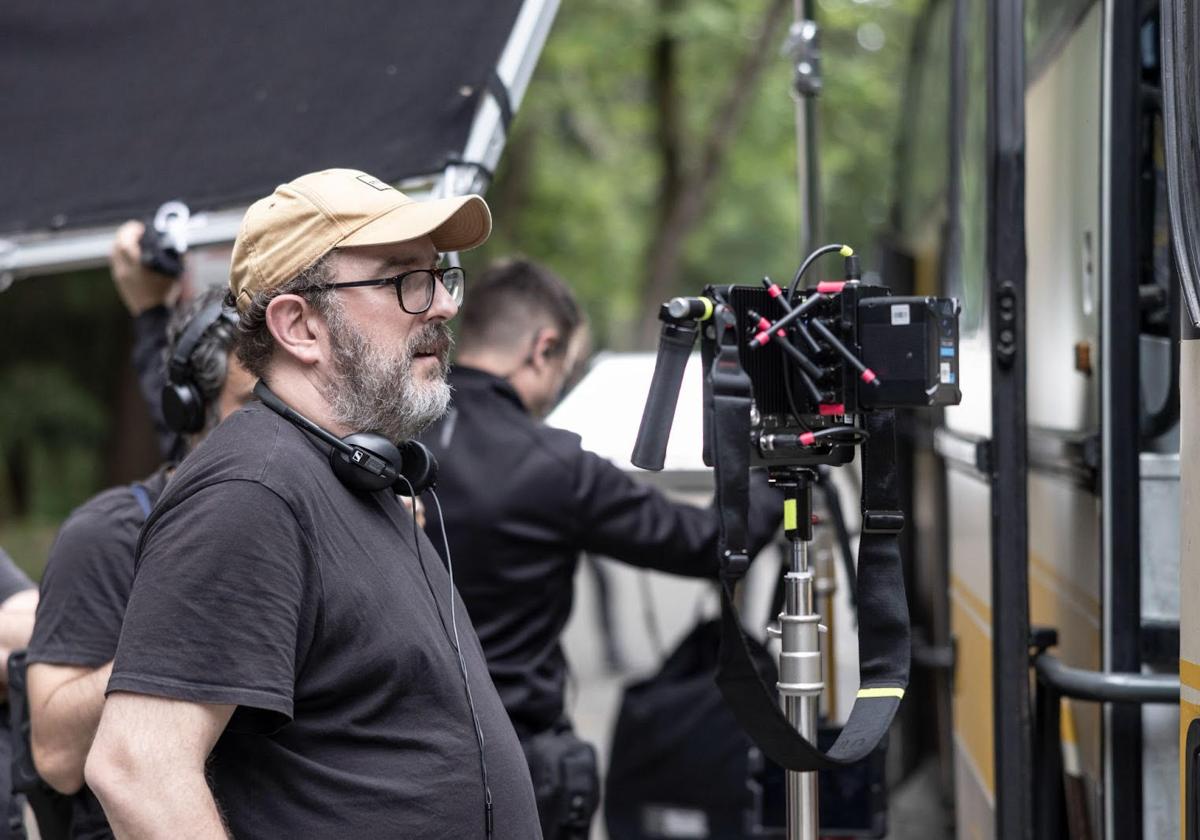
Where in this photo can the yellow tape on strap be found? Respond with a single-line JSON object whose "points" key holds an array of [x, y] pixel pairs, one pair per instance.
{"points": [[898, 693]]}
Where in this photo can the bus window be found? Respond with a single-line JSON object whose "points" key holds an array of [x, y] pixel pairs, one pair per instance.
{"points": [[1048, 23], [967, 278], [921, 175]]}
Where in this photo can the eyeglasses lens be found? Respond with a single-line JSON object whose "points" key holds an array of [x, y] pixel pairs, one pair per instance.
{"points": [[454, 279], [417, 288]]}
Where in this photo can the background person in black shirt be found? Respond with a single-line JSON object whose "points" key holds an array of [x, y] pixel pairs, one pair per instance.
{"points": [[522, 500], [18, 600], [89, 572], [292, 636]]}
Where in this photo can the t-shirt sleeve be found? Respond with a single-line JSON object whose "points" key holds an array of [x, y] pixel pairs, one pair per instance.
{"points": [[222, 606], [84, 590], [12, 579]]}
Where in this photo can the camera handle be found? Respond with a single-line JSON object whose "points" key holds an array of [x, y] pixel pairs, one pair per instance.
{"points": [[675, 343]]}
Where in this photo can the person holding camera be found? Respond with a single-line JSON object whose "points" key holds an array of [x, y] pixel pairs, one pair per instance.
{"points": [[89, 573], [523, 500], [294, 661]]}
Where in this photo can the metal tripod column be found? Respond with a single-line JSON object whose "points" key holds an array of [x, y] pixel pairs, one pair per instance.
{"points": [[800, 683]]}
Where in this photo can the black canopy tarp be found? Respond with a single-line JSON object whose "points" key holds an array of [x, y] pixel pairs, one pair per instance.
{"points": [[109, 108]]}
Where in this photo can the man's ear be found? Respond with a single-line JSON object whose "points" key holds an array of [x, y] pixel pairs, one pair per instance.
{"points": [[296, 328], [547, 344]]}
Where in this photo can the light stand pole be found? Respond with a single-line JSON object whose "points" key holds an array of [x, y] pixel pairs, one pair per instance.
{"points": [[803, 50], [800, 683]]}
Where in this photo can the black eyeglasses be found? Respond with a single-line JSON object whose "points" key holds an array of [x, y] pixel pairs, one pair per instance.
{"points": [[415, 289]]}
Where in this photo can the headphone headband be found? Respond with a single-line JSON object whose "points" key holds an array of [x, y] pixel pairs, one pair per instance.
{"points": [[180, 365], [271, 400]]}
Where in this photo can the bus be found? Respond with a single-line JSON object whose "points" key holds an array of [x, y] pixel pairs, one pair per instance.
{"points": [[1045, 212]]}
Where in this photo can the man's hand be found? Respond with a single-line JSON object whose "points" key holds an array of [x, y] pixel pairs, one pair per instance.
{"points": [[139, 287], [146, 766]]}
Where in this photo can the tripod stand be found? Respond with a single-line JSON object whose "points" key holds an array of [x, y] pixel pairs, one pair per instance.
{"points": [[800, 680]]}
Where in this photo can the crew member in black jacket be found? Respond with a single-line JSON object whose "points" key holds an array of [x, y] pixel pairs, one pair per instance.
{"points": [[523, 500]]}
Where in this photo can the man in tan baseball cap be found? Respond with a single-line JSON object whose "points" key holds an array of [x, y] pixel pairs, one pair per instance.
{"points": [[289, 627], [363, 256]]}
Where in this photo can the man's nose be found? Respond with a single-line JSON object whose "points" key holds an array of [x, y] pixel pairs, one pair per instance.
{"points": [[443, 307]]}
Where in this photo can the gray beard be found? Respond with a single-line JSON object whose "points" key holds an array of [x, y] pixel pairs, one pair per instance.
{"points": [[376, 391]]}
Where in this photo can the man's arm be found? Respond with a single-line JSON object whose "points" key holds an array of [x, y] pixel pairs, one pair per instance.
{"points": [[65, 703], [629, 521], [147, 295], [147, 766]]}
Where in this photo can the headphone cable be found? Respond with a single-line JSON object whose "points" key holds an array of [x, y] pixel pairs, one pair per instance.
{"points": [[462, 662]]}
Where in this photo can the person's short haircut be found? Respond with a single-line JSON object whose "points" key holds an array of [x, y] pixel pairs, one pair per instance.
{"points": [[255, 344], [512, 299], [209, 360]]}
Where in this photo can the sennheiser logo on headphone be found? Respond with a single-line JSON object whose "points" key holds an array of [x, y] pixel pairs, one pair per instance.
{"points": [[358, 456]]}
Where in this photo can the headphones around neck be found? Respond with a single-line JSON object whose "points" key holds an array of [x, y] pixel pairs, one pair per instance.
{"points": [[364, 461], [183, 403]]}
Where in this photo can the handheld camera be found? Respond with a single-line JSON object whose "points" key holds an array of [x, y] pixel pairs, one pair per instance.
{"points": [[817, 358]]}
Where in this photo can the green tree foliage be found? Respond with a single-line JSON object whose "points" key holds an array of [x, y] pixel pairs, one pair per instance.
{"points": [[579, 184]]}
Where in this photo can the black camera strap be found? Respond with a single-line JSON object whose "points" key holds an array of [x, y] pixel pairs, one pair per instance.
{"points": [[884, 645], [730, 396]]}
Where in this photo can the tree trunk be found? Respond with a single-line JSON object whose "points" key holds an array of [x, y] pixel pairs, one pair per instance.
{"points": [[683, 196]]}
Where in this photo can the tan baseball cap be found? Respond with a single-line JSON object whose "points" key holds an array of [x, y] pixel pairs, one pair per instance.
{"points": [[293, 227]]}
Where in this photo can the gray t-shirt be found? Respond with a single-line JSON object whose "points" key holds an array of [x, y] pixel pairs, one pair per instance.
{"points": [[84, 590], [324, 615]]}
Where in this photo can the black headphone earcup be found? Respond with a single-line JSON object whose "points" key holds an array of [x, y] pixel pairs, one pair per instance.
{"points": [[418, 465], [362, 475], [182, 408]]}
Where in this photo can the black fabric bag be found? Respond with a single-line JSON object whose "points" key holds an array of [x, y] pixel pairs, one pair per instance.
{"points": [[566, 781], [680, 763]]}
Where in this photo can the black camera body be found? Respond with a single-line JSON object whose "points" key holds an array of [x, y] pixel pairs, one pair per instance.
{"points": [[164, 240], [908, 347]]}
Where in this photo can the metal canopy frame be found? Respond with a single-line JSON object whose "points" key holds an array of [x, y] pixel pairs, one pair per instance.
{"points": [[48, 252]]}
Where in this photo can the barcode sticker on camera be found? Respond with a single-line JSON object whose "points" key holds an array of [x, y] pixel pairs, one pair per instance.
{"points": [[901, 314]]}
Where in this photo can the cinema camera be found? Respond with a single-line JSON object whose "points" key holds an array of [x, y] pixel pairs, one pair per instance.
{"points": [[795, 379]]}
